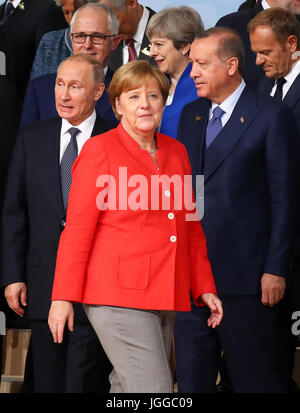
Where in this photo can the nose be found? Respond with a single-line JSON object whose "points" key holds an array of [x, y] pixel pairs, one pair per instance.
{"points": [[88, 43], [260, 59], [65, 94], [144, 102], [194, 72], [153, 50]]}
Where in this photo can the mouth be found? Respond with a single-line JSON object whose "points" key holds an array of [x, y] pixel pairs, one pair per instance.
{"points": [[159, 61]]}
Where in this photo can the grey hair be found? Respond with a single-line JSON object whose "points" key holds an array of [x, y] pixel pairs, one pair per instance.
{"points": [[179, 24], [114, 4], [97, 69], [113, 21]]}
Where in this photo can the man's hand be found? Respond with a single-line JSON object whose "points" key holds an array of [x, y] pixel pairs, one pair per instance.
{"points": [[60, 313], [273, 288], [216, 309], [14, 294]]}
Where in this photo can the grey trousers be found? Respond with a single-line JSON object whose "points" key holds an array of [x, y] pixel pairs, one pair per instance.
{"points": [[138, 344]]}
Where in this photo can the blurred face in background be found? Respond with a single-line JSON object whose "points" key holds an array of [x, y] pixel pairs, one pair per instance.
{"points": [[68, 9]]}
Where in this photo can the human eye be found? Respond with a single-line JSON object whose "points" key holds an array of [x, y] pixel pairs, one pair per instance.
{"points": [[153, 95]]}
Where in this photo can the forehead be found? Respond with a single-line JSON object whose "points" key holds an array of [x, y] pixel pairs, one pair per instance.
{"points": [[75, 70], [91, 21], [140, 84], [263, 34], [68, 4], [204, 48]]}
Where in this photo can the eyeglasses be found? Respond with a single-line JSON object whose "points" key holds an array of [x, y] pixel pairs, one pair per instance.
{"points": [[96, 38]]}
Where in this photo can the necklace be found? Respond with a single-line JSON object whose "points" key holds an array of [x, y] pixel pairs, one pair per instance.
{"points": [[153, 150]]}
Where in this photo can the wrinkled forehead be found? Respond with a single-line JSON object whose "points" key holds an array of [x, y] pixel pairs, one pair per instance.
{"points": [[90, 21]]}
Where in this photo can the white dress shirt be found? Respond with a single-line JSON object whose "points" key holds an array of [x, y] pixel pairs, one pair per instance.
{"points": [[86, 128], [290, 77], [15, 3], [265, 5], [138, 37], [228, 104]]}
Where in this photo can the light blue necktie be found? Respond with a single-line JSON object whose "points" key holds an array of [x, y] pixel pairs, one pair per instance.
{"points": [[214, 125]]}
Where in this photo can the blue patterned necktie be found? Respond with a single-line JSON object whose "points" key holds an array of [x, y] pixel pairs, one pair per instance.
{"points": [[9, 8], [214, 125], [66, 164]]}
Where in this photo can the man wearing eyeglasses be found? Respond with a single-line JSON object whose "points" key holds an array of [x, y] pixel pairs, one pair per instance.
{"points": [[94, 29]]}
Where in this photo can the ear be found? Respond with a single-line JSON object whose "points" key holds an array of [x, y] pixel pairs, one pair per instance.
{"points": [[232, 65], [292, 43], [118, 107], [185, 50], [99, 91], [115, 41], [132, 4]]}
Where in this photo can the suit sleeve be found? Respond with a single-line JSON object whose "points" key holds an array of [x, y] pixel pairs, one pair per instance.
{"points": [[202, 280], [14, 221], [82, 219], [279, 149], [30, 113]]}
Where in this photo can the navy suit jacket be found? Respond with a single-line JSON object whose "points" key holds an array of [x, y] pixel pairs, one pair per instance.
{"points": [[33, 214], [291, 99], [39, 103], [248, 188]]}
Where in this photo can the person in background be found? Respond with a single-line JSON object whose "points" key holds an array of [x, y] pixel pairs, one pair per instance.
{"points": [[133, 20], [171, 32], [275, 39], [132, 262], [33, 219], [55, 46], [24, 22], [247, 4], [93, 31], [238, 21]]}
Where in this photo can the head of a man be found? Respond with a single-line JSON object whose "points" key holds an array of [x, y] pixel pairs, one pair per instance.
{"points": [[79, 84], [274, 35], [292, 6], [129, 13], [94, 29], [217, 57]]}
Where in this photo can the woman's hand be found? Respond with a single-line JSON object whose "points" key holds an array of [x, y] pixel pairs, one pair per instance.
{"points": [[216, 309], [60, 312]]}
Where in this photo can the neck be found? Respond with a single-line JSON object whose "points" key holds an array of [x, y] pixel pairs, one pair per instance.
{"points": [[146, 140], [227, 91]]}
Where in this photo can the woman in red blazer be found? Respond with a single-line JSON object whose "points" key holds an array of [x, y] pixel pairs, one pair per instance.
{"points": [[130, 250]]}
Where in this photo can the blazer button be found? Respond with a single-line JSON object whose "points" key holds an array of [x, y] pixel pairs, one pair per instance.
{"points": [[167, 194], [171, 215], [173, 238], [62, 223]]}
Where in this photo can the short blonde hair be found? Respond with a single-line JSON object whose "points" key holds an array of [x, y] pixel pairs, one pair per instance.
{"points": [[133, 75]]}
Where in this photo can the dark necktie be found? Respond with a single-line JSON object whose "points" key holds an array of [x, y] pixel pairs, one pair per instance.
{"points": [[9, 8], [278, 92], [131, 50], [214, 125], [66, 164]]}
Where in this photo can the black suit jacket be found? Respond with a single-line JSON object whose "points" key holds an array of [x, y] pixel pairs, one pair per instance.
{"points": [[116, 56], [33, 214], [248, 189], [291, 99], [23, 31]]}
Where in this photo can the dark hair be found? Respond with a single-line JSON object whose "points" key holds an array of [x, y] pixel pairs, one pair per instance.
{"points": [[282, 22], [230, 45]]}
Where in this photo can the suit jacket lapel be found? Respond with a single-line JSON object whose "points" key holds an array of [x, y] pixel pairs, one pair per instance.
{"points": [[266, 84], [293, 94], [241, 117], [52, 148], [19, 10]]}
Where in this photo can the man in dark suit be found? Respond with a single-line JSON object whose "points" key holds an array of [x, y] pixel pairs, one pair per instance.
{"points": [[33, 219], [275, 38], [133, 19], [241, 141], [238, 21], [24, 22], [39, 103]]}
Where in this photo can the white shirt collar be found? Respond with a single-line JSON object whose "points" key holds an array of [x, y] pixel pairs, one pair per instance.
{"points": [[15, 3], [293, 73], [229, 103], [265, 5], [66, 125]]}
